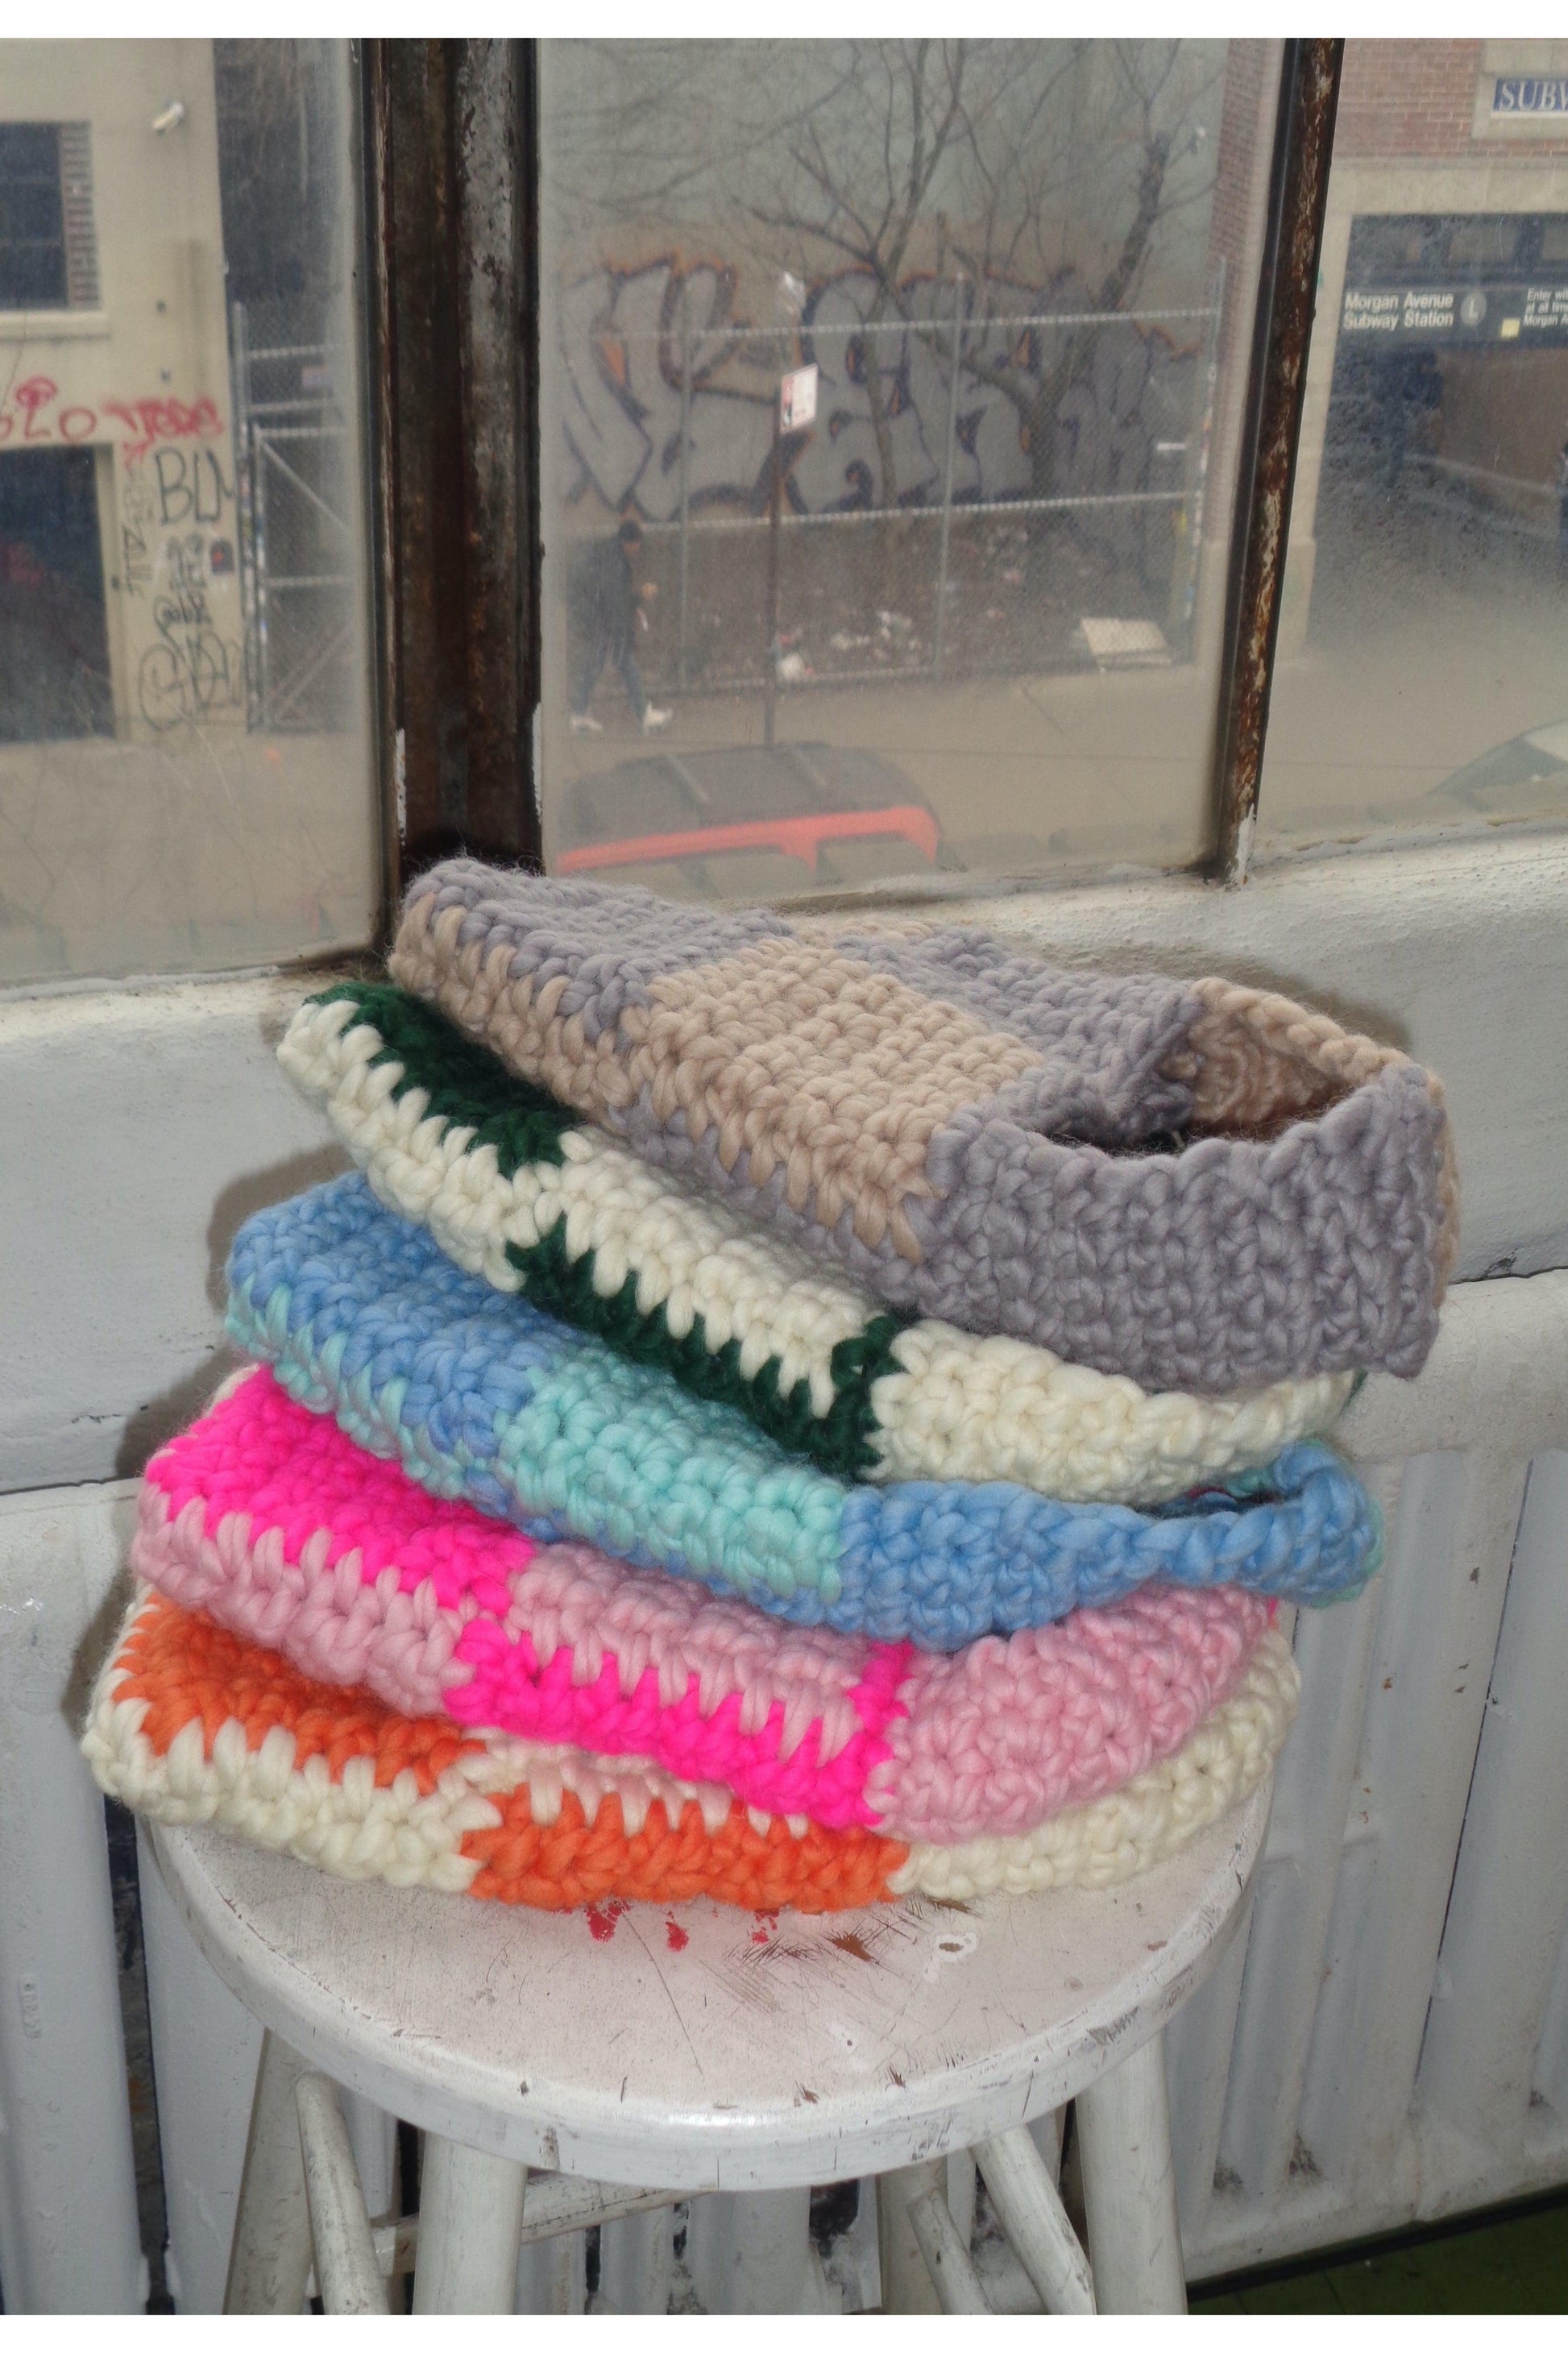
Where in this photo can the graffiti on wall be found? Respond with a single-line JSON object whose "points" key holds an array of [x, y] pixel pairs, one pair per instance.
{"points": [[190, 671], [34, 413], [625, 333], [176, 506], [175, 539]]}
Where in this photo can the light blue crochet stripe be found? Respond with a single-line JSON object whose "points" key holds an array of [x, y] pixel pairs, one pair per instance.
{"points": [[479, 1395]]}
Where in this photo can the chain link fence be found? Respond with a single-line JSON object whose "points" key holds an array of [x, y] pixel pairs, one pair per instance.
{"points": [[1048, 470]]}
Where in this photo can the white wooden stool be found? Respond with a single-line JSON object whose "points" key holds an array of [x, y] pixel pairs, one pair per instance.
{"points": [[634, 2057]]}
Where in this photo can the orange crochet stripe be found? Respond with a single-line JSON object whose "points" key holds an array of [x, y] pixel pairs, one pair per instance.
{"points": [[187, 1670], [573, 1860]]}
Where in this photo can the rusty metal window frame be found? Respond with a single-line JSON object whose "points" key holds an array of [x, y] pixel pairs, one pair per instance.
{"points": [[1271, 427], [449, 167]]}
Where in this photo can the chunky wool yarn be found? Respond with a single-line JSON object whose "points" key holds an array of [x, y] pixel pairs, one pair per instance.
{"points": [[188, 1723], [1201, 1186], [363, 1317], [519, 1190], [272, 1522]]}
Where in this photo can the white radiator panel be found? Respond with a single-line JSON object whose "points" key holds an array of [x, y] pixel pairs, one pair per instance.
{"points": [[1404, 1982], [1385, 2039], [68, 2236]]}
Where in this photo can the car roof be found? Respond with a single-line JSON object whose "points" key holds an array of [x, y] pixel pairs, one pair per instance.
{"points": [[1552, 738]]}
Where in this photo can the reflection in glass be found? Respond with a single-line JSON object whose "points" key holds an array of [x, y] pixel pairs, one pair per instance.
{"points": [[957, 610], [185, 775], [1420, 685]]}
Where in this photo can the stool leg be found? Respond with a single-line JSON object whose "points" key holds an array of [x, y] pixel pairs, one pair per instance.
{"points": [[1029, 2207], [348, 2274], [907, 2285], [470, 2228], [1130, 2187], [947, 2257], [269, 2259]]}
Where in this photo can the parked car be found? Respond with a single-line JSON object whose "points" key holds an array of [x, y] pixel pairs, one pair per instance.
{"points": [[843, 815], [1522, 778]]}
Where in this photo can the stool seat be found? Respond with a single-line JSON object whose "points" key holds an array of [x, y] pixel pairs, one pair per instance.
{"points": [[704, 2048]]}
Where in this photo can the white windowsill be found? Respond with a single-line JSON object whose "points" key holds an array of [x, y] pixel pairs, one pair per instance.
{"points": [[55, 326], [155, 1118]]}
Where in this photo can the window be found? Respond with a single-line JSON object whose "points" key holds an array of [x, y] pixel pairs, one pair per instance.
{"points": [[955, 610], [32, 218], [874, 414], [1420, 686], [54, 645], [185, 776], [49, 254]]}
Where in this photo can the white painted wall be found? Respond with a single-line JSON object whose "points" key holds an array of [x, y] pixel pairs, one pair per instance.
{"points": [[141, 1127]]}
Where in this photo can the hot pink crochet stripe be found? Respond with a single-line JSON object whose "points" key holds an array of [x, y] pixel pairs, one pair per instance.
{"points": [[268, 1518]]}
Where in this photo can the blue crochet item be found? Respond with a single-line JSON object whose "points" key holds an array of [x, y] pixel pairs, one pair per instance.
{"points": [[479, 1395]]}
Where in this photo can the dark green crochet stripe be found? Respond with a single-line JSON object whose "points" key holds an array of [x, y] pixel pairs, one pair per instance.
{"points": [[468, 1087], [839, 1440], [465, 1086]]}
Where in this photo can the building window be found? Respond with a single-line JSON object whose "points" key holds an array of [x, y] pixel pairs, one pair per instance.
{"points": [[54, 644], [48, 255], [32, 218]]}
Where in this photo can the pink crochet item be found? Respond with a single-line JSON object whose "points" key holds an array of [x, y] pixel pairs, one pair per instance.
{"points": [[272, 1522]]}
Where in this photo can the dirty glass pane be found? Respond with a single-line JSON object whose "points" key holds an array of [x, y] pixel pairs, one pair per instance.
{"points": [[1420, 686], [184, 774], [890, 394]]}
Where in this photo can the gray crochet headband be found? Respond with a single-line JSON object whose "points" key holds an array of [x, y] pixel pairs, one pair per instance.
{"points": [[1199, 1184]]}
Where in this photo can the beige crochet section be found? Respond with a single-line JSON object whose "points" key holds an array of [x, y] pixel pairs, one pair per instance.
{"points": [[813, 1062], [1260, 1061], [521, 1024], [885, 1066]]}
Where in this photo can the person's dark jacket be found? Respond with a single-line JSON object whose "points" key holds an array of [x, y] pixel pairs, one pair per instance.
{"points": [[599, 592]]}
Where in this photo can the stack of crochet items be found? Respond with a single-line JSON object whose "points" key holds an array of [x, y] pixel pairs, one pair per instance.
{"points": [[792, 1420]]}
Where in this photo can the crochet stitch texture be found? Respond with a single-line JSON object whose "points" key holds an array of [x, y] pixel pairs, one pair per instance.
{"points": [[480, 1395], [519, 1190], [975, 1134], [272, 1522], [187, 1723]]}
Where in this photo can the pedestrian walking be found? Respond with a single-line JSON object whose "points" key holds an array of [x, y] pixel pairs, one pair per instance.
{"points": [[604, 606], [1563, 512]]}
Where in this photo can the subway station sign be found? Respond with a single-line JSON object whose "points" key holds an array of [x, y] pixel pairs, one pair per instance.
{"points": [[1524, 313], [1534, 94]]}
